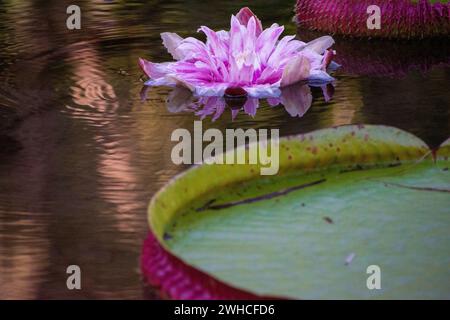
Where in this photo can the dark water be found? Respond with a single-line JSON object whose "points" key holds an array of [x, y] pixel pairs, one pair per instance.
{"points": [[81, 154]]}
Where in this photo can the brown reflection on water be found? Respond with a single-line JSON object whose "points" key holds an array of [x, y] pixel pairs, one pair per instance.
{"points": [[78, 169], [350, 102], [28, 262], [90, 87]]}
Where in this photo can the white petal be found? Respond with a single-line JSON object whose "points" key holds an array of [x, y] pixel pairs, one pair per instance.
{"points": [[211, 90], [171, 41], [165, 81], [296, 70], [319, 45], [263, 91], [318, 77]]}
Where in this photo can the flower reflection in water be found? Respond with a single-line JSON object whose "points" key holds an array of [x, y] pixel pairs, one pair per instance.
{"points": [[296, 99]]}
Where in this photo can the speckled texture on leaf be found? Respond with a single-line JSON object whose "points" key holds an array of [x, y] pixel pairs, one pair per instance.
{"points": [[373, 193]]}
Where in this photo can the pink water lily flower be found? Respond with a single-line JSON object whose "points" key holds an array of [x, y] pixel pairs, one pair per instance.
{"points": [[245, 58]]}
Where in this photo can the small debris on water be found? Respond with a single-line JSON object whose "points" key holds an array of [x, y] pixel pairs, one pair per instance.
{"points": [[167, 236], [123, 72], [349, 258], [328, 219]]}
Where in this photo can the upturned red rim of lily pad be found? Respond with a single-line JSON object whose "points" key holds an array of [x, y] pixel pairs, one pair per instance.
{"points": [[177, 280]]}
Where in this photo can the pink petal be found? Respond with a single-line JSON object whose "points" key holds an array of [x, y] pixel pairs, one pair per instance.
{"points": [[321, 44], [249, 45], [223, 35], [154, 70], [293, 46], [222, 70], [244, 16], [171, 41], [266, 41], [296, 70], [314, 58], [246, 74], [277, 55], [191, 48], [236, 41], [196, 77], [251, 29], [269, 76], [195, 70], [215, 43]]}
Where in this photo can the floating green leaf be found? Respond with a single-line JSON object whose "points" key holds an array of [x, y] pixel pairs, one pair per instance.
{"points": [[346, 198]]}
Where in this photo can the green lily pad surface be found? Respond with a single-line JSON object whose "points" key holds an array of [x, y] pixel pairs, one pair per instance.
{"points": [[345, 198]]}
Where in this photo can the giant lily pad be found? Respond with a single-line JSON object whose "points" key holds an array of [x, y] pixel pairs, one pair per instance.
{"points": [[400, 18], [345, 198]]}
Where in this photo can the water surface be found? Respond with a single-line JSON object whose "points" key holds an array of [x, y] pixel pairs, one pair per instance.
{"points": [[81, 154]]}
